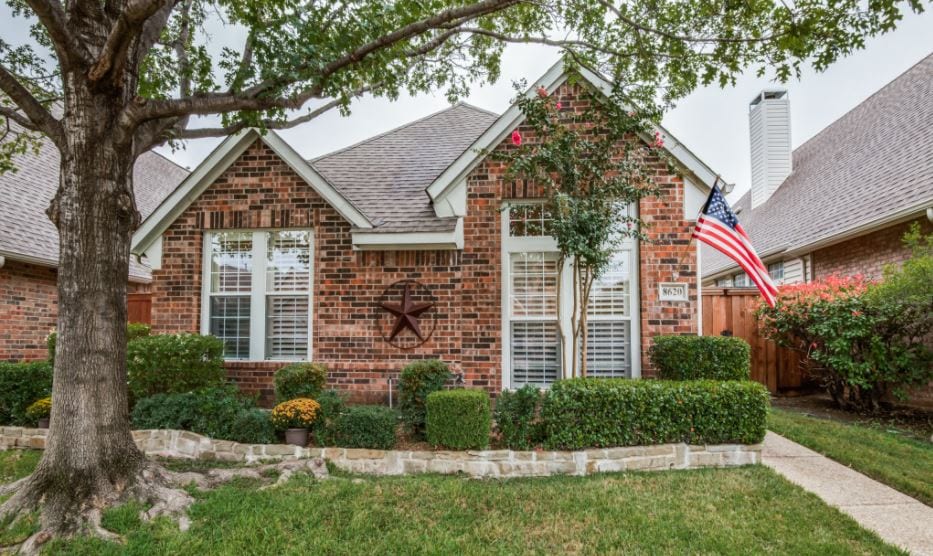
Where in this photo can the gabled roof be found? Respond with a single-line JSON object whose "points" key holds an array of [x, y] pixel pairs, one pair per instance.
{"points": [[27, 234], [550, 81], [386, 175], [870, 168]]}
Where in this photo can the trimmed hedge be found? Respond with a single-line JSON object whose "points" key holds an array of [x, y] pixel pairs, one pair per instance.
{"points": [[220, 413], [701, 357], [133, 330], [21, 384], [366, 426], [417, 381], [332, 403], [582, 413], [174, 363], [517, 417], [458, 419], [300, 380]]}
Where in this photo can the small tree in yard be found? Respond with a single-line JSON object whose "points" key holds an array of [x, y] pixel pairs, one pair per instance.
{"points": [[593, 165], [863, 340], [107, 80]]}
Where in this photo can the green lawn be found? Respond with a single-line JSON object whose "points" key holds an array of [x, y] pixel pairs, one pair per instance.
{"points": [[735, 511], [886, 455]]}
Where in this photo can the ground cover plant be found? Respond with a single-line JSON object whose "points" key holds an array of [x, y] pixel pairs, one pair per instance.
{"points": [[883, 453]]}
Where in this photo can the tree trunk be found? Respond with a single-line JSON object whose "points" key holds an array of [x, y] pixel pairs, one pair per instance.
{"points": [[90, 458]]}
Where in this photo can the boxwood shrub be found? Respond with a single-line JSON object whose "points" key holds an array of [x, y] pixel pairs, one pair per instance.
{"points": [[220, 413], [458, 419], [517, 417], [20, 385], [365, 426], [581, 413], [299, 380], [416, 382], [174, 363], [701, 357]]}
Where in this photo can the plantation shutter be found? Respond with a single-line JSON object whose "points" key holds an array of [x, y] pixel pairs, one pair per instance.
{"points": [[288, 287], [535, 343], [609, 321], [230, 279]]}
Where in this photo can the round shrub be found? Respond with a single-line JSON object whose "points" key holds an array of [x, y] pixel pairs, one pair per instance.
{"points": [[366, 426], [219, 413], [299, 413], [458, 419], [332, 404], [418, 380], [20, 385], [174, 363], [517, 417], [701, 357], [299, 380], [39, 409]]}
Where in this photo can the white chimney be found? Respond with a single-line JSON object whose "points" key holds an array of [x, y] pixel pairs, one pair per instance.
{"points": [[769, 126]]}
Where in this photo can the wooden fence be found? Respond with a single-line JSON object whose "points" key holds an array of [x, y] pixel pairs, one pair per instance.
{"points": [[731, 312], [139, 307]]}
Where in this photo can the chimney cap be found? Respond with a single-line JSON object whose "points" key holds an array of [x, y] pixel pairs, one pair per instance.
{"points": [[768, 94]]}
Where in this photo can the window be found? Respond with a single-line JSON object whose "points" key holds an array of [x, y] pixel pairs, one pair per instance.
{"points": [[258, 292], [536, 343], [741, 280], [776, 271]]}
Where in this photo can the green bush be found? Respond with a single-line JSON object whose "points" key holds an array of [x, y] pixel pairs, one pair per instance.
{"points": [[583, 413], [220, 413], [133, 330], [21, 384], [299, 380], [458, 419], [366, 426], [332, 404], [517, 416], [173, 363], [701, 357], [417, 381]]}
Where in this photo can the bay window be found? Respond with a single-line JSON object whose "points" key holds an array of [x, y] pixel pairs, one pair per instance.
{"points": [[257, 293]]}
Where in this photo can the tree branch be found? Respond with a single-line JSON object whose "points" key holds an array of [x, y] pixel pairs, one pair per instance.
{"points": [[55, 21], [32, 108], [19, 118], [129, 24]]}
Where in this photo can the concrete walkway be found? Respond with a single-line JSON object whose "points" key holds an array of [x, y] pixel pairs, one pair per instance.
{"points": [[897, 518]]}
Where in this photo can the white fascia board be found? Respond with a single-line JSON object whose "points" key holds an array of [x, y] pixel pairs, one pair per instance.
{"points": [[215, 164], [409, 241]]}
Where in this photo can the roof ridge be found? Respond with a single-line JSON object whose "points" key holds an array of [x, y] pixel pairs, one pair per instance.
{"points": [[859, 105], [395, 130]]}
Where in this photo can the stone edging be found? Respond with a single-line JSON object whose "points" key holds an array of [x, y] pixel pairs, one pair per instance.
{"points": [[484, 463]]}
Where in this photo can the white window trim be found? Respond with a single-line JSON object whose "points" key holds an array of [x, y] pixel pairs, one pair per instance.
{"points": [[529, 244], [257, 319]]}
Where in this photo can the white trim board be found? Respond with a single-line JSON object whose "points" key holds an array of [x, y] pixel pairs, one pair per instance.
{"points": [[221, 159]]}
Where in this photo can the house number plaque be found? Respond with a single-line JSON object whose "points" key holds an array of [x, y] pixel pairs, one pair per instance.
{"points": [[674, 291]]}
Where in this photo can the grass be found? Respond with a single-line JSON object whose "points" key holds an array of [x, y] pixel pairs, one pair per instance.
{"points": [[721, 511], [887, 455]]}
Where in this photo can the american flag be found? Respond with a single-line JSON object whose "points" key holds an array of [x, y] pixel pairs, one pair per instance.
{"points": [[718, 227]]}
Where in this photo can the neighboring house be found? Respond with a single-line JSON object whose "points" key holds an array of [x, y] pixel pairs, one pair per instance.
{"points": [[408, 245], [29, 244], [841, 202]]}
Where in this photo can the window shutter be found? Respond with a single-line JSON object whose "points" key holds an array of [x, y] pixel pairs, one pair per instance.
{"points": [[535, 353]]}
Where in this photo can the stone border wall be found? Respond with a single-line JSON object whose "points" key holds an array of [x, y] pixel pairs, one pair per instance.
{"points": [[480, 463]]}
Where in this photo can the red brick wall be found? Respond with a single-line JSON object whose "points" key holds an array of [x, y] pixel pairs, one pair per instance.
{"points": [[28, 310], [260, 190], [866, 254]]}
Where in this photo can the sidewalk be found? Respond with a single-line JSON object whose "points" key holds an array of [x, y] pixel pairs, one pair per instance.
{"points": [[895, 517]]}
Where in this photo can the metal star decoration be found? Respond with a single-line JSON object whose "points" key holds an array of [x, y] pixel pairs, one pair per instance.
{"points": [[406, 314]]}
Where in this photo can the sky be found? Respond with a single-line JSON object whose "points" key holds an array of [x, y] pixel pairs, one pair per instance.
{"points": [[712, 122]]}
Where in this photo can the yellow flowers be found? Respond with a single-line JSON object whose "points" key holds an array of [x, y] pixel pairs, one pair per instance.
{"points": [[40, 408], [295, 414]]}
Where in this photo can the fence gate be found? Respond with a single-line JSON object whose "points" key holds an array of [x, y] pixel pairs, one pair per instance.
{"points": [[139, 307], [731, 311]]}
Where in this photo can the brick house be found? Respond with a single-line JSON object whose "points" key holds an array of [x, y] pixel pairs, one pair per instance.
{"points": [[408, 245], [29, 244], [841, 202]]}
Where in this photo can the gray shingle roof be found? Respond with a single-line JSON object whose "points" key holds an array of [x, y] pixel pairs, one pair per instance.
{"points": [[386, 176], [26, 231], [872, 163]]}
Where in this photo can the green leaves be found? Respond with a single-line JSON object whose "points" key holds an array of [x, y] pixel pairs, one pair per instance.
{"points": [[701, 357], [458, 419]]}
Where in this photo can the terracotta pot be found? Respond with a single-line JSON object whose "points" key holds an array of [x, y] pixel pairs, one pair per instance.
{"points": [[44, 423], [296, 437]]}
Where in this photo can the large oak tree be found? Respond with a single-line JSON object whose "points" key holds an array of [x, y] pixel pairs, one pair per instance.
{"points": [[107, 80]]}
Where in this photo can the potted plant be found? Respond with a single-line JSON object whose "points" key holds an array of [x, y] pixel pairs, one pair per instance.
{"points": [[295, 417], [39, 411]]}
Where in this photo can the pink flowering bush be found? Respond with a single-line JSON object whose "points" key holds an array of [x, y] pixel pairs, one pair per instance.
{"points": [[861, 343]]}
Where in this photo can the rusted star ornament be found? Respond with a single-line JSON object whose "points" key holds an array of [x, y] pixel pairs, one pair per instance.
{"points": [[406, 314]]}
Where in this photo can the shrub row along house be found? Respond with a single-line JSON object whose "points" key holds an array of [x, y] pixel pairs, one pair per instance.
{"points": [[409, 245]]}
